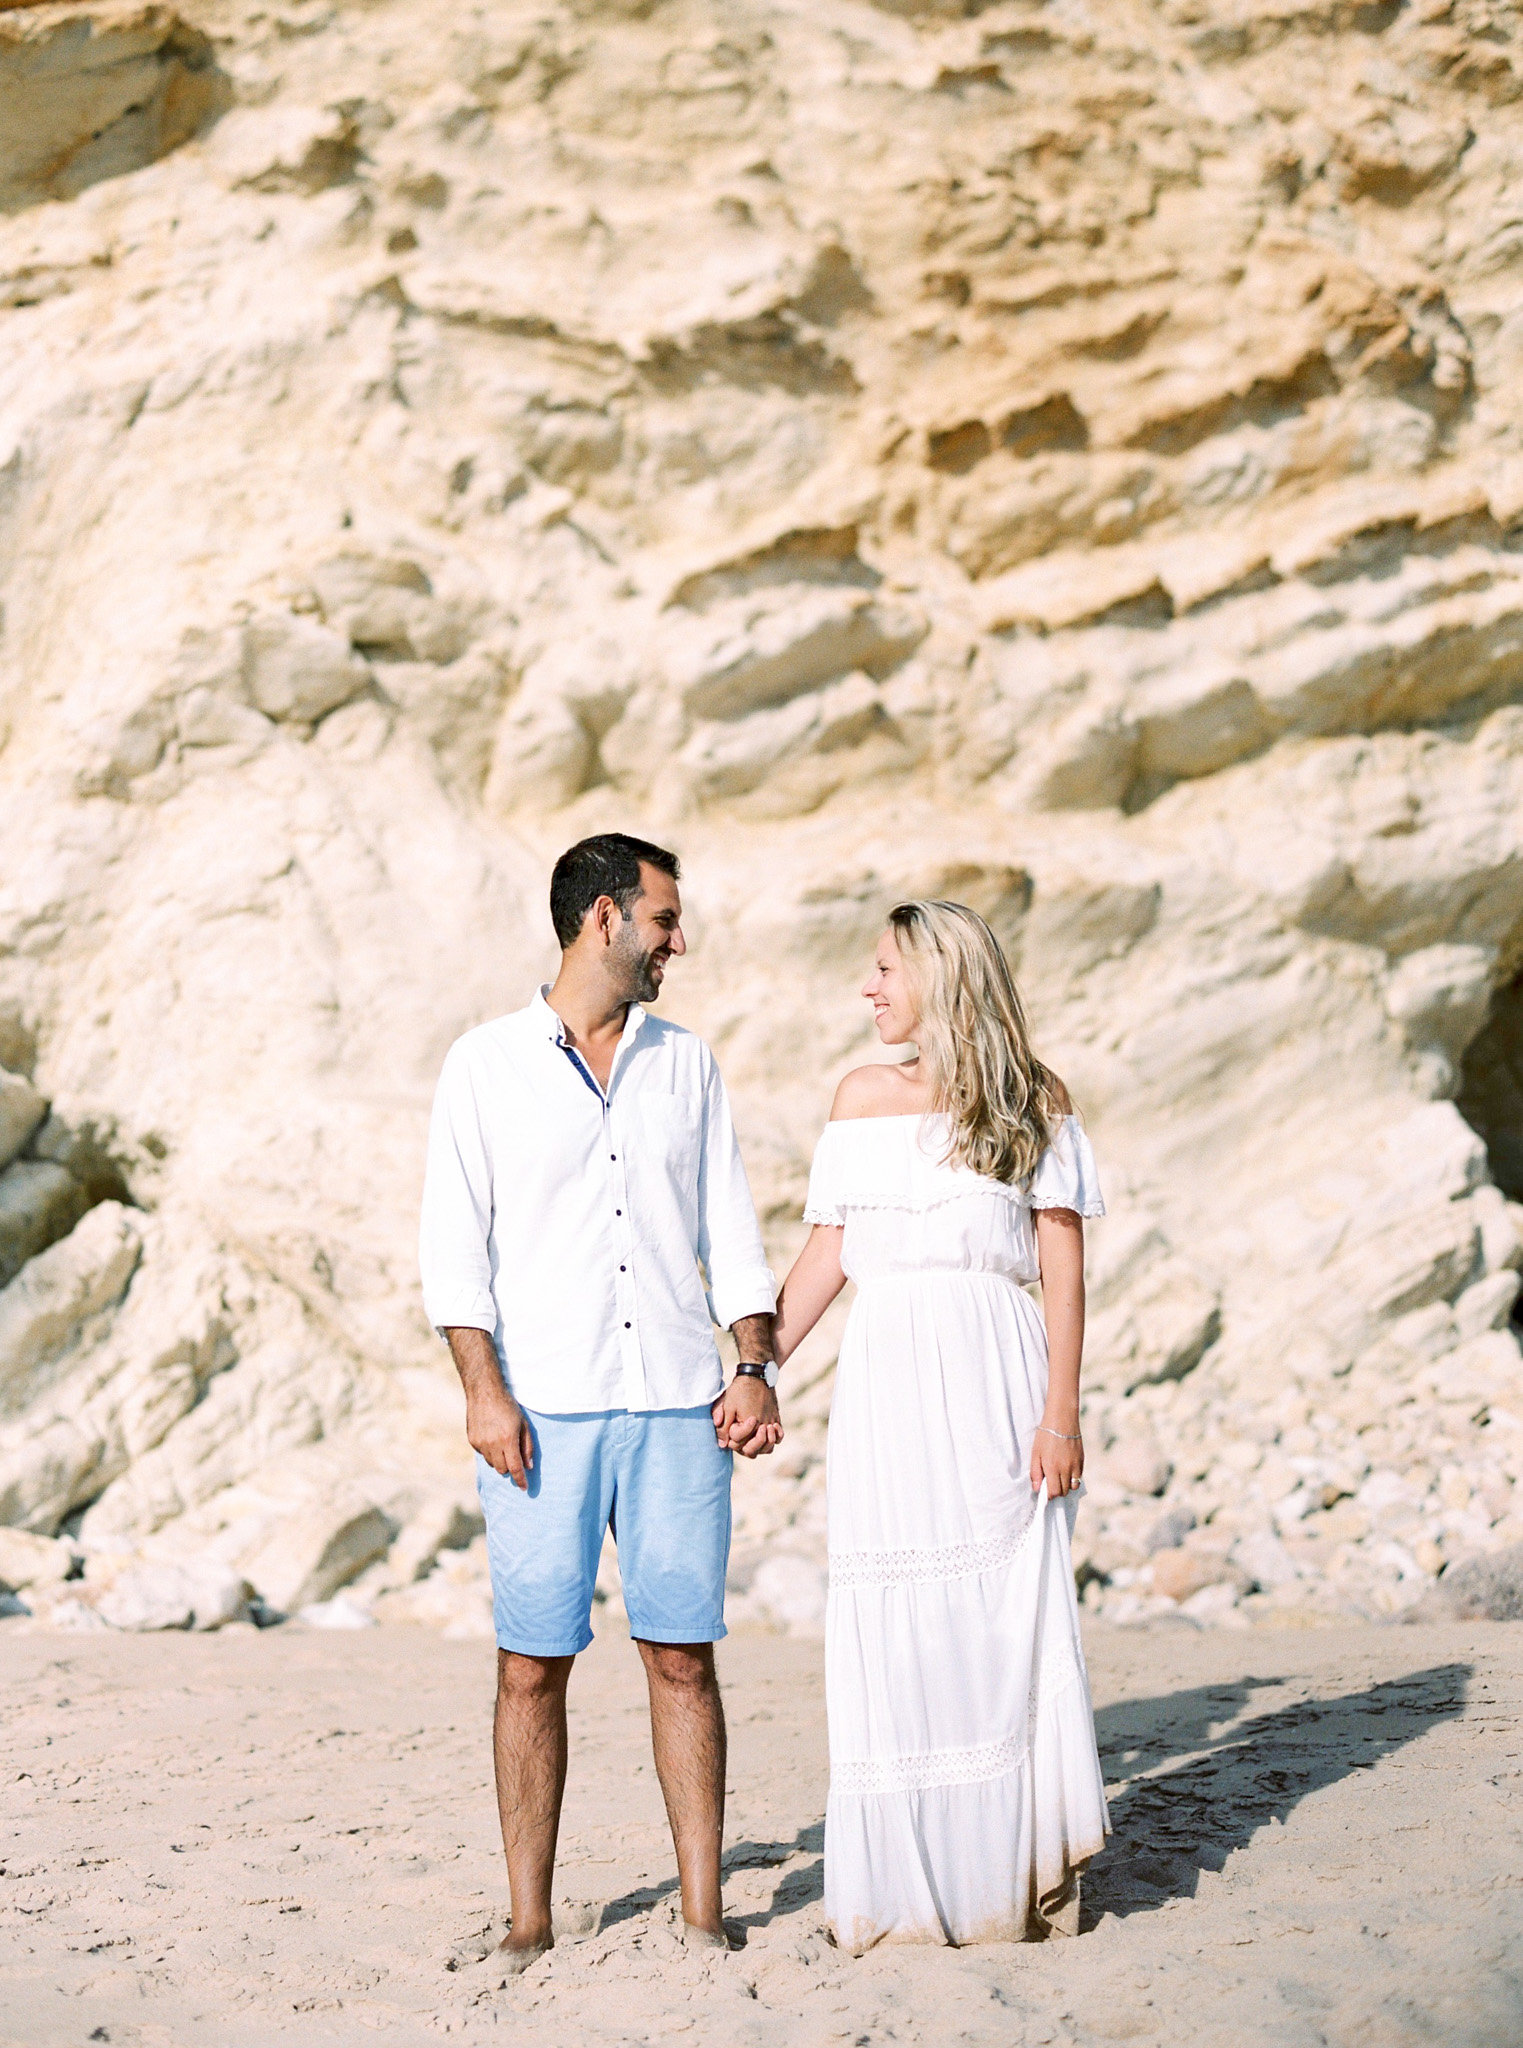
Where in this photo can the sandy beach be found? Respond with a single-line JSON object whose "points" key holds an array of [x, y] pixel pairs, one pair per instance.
{"points": [[241, 1838]]}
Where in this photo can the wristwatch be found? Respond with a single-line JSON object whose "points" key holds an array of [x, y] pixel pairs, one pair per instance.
{"points": [[753, 1369]]}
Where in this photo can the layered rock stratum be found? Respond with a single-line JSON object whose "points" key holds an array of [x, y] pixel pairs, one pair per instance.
{"points": [[1067, 457]]}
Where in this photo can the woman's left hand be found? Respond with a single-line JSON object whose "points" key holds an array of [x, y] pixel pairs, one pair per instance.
{"points": [[1057, 1460]]}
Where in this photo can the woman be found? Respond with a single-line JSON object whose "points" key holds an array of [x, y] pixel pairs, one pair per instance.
{"points": [[965, 1789]]}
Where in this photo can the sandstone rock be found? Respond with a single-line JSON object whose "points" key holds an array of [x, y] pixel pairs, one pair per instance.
{"points": [[296, 669], [110, 1402], [86, 95], [791, 1588], [1265, 1562], [44, 1308], [1178, 1573], [1135, 1464], [82, 1152], [39, 1203], [1441, 994], [150, 1596], [1170, 1529], [28, 1560], [22, 1109], [305, 149], [316, 1551], [68, 1613], [1162, 1330], [154, 1598], [1213, 1604], [867, 482], [1485, 1588], [1486, 1306], [339, 1612], [441, 1525]]}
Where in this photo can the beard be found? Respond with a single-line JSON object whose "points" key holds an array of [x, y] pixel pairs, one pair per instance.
{"points": [[635, 965]]}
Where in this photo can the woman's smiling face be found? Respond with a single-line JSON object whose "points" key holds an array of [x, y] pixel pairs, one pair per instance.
{"points": [[887, 988]]}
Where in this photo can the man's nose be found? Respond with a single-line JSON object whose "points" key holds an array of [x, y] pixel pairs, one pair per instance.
{"points": [[678, 942]]}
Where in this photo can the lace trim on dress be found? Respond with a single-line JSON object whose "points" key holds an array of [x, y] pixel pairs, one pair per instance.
{"points": [[850, 1568], [832, 1215], [1090, 1206], [926, 1769], [918, 1206], [1020, 1197], [931, 1767]]}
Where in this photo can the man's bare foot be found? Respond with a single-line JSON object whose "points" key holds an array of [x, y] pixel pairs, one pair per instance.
{"points": [[516, 1953], [705, 1937]]}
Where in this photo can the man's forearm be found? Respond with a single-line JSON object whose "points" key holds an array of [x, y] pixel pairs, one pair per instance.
{"points": [[495, 1425], [745, 1415], [753, 1339], [475, 1357]]}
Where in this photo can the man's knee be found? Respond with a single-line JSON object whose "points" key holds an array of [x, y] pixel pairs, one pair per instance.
{"points": [[680, 1667], [526, 1680]]}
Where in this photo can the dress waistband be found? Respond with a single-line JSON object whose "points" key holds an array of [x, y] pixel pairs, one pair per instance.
{"points": [[947, 1273]]}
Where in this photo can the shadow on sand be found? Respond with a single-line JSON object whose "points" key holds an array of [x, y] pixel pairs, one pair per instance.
{"points": [[1236, 1777], [1172, 1824], [796, 1890]]}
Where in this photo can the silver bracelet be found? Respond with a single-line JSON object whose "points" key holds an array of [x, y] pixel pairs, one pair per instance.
{"points": [[1059, 1435]]}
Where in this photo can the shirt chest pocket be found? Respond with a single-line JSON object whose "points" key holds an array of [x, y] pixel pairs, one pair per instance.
{"points": [[665, 1143]]}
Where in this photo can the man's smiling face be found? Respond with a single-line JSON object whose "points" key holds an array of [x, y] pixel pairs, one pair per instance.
{"points": [[650, 934]]}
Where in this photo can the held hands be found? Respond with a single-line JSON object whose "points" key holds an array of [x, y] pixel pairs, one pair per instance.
{"points": [[1057, 1457], [746, 1418], [497, 1427]]}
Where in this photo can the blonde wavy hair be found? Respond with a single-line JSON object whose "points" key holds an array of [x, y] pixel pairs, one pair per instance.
{"points": [[1003, 1104]]}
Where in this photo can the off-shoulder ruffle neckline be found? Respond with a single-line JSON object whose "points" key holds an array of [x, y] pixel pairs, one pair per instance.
{"points": [[900, 1116], [871, 1180]]}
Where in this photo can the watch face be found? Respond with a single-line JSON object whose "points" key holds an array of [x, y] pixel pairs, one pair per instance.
{"points": [[771, 1375]]}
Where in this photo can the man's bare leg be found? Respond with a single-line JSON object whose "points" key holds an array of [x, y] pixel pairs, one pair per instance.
{"points": [[688, 1736], [529, 1751]]}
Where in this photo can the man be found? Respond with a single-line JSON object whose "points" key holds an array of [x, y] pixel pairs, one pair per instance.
{"points": [[582, 1168]]}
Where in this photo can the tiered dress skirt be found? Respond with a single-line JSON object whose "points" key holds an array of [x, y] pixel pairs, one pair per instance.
{"points": [[965, 1787]]}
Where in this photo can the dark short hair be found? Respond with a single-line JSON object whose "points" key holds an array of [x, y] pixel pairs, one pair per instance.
{"points": [[608, 864]]}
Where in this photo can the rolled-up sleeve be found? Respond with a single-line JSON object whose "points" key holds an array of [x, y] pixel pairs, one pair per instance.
{"points": [[729, 1241], [456, 1223]]}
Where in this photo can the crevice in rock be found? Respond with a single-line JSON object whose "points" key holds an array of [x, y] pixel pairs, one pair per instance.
{"points": [[1266, 401], [1490, 1095], [85, 99], [51, 1173], [814, 555], [769, 352]]}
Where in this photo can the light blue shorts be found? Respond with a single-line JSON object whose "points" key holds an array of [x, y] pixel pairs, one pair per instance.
{"points": [[659, 1481]]}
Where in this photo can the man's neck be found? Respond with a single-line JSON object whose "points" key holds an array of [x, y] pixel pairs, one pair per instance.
{"points": [[593, 1016]]}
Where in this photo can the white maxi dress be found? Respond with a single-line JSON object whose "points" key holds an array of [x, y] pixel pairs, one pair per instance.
{"points": [[965, 1785]]}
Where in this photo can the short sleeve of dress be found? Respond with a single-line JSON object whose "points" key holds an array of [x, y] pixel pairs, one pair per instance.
{"points": [[823, 1204], [1066, 1176]]}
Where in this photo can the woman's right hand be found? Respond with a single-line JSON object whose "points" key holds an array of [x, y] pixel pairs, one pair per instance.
{"points": [[1057, 1458]]}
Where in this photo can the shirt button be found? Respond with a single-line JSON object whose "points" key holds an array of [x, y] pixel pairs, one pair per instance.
{"points": [[628, 1326], [613, 1155], [623, 1269], [618, 1212]]}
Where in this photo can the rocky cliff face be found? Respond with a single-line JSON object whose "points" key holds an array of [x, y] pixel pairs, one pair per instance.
{"points": [[1069, 457]]}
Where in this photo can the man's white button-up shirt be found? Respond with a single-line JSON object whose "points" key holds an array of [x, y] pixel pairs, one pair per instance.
{"points": [[572, 1225]]}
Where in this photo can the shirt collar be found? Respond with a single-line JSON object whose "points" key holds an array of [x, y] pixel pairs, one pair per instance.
{"points": [[550, 1023]]}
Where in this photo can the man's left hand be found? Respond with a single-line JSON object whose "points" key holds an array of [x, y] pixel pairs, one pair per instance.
{"points": [[746, 1417]]}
